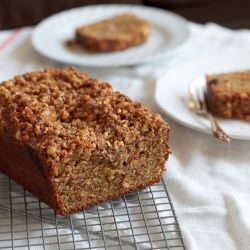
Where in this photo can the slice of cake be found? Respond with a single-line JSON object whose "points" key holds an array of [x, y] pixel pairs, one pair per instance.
{"points": [[228, 95], [117, 33], [73, 142]]}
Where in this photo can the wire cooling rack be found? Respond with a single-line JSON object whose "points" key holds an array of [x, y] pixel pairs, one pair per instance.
{"points": [[140, 220]]}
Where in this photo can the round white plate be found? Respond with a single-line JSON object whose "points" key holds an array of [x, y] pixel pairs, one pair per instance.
{"points": [[172, 94], [168, 31]]}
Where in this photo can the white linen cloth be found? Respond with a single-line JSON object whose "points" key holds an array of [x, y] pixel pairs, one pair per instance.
{"points": [[209, 182]]}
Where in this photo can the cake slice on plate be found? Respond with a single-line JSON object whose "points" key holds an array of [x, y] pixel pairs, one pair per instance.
{"points": [[116, 33], [228, 95]]}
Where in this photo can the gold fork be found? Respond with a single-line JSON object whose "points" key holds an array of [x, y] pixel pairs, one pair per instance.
{"points": [[197, 104]]}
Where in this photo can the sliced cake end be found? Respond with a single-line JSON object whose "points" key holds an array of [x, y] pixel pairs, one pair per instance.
{"points": [[228, 95]]}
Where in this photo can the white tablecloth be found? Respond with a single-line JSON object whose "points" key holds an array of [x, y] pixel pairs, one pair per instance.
{"points": [[209, 182]]}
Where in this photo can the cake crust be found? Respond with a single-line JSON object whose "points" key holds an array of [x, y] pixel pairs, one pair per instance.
{"points": [[63, 134], [117, 33]]}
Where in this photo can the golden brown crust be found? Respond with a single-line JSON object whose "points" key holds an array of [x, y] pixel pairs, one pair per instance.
{"points": [[20, 162], [53, 116], [228, 95], [117, 33]]}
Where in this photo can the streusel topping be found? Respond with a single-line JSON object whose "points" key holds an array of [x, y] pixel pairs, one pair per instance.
{"points": [[61, 112]]}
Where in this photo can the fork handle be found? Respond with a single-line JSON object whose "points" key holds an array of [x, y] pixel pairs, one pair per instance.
{"points": [[217, 131]]}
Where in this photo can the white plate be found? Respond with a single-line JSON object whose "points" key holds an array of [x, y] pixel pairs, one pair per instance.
{"points": [[168, 31], [172, 92]]}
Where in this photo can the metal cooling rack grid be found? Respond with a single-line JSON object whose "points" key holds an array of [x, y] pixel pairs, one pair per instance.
{"points": [[140, 220]]}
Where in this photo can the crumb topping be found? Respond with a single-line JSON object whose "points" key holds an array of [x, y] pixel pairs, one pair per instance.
{"points": [[61, 112]]}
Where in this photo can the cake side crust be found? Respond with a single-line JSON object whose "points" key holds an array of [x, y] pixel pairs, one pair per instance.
{"points": [[17, 161]]}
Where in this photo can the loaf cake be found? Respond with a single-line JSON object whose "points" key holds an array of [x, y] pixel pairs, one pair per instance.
{"points": [[73, 142], [117, 33], [228, 95]]}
